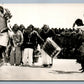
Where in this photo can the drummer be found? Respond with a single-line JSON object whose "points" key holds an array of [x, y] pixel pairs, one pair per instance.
{"points": [[5, 15], [45, 33]]}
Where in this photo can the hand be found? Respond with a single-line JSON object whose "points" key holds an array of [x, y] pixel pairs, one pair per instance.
{"points": [[18, 44], [34, 32], [13, 48]]}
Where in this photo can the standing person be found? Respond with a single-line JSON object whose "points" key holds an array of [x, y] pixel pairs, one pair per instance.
{"points": [[80, 58], [16, 42], [22, 29], [5, 15], [31, 40], [45, 33]]}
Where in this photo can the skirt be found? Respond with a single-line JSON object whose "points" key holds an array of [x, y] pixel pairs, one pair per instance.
{"points": [[15, 56]]}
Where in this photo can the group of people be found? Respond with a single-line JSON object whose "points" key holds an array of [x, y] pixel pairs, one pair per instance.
{"points": [[23, 45], [19, 45]]}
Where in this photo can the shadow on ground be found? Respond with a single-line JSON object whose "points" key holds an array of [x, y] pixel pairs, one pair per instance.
{"points": [[63, 72], [34, 66]]}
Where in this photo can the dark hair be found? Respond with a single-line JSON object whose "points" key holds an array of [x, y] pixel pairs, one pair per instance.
{"points": [[15, 27], [30, 26]]}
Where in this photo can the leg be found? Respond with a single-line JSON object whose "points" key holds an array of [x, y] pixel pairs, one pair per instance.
{"points": [[2, 49], [25, 56], [30, 54], [12, 57], [18, 56], [82, 67], [3, 54], [44, 58]]}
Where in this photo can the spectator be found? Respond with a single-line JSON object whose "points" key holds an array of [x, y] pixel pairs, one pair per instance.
{"points": [[15, 42], [31, 40]]}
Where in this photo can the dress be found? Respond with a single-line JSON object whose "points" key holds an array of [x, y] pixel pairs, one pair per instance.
{"points": [[15, 54]]}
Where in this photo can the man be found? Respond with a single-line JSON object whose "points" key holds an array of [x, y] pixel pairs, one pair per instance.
{"points": [[80, 58], [5, 15], [31, 40], [45, 33]]}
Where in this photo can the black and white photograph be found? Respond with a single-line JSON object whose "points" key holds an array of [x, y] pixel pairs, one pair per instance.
{"points": [[41, 42]]}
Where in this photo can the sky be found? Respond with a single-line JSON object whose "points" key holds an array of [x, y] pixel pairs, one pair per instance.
{"points": [[54, 15]]}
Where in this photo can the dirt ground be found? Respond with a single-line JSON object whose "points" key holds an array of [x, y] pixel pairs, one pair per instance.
{"points": [[62, 69]]}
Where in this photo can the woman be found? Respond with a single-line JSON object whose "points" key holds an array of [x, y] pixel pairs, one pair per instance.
{"points": [[16, 41]]}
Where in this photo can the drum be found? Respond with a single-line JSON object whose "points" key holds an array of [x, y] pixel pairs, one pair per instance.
{"points": [[51, 48]]}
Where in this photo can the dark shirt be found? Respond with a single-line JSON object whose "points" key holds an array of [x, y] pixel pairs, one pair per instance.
{"points": [[32, 40], [45, 34]]}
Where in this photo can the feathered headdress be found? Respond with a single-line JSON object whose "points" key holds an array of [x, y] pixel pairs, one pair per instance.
{"points": [[7, 14]]}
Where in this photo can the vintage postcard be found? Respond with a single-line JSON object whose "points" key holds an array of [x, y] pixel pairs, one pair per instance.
{"points": [[41, 42]]}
